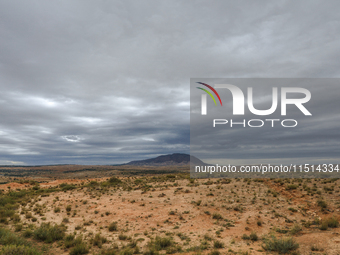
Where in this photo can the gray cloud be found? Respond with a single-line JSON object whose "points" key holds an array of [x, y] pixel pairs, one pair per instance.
{"points": [[100, 82]]}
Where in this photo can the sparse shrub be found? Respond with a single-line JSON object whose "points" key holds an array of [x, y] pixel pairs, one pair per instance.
{"points": [[122, 237], [218, 245], [69, 241], [217, 216], [68, 208], [322, 204], [315, 248], [110, 251], [15, 218], [79, 249], [56, 210], [282, 246], [173, 249], [332, 222], [161, 243], [238, 208], [48, 233], [28, 233], [9, 238], [21, 249], [214, 253], [126, 251], [291, 186], [113, 227], [296, 229], [66, 186], [114, 181], [253, 236], [18, 227], [98, 240], [207, 237], [292, 209], [259, 223], [329, 223], [245, 237]]}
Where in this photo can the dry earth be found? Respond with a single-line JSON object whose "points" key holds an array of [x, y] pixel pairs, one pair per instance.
{"points": [[195, 214]]}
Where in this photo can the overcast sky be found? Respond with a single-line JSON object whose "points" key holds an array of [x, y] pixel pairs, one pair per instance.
{"points": [[105, 82]]}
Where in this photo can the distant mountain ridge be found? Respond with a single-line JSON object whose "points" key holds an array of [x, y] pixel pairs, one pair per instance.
{"points": [[175, 159]]}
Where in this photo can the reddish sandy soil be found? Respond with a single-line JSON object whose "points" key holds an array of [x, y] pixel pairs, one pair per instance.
{"points": [[171, 208]]}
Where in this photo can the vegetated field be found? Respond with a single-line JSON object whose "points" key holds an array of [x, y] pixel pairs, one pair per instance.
{"points": [[149, 212]]}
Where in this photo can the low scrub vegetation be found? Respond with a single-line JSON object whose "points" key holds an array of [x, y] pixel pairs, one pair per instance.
{"points": [[50, 233], [282, 246]]}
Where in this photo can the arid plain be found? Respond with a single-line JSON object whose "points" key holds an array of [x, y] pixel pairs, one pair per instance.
{"points": [[74, 209]]}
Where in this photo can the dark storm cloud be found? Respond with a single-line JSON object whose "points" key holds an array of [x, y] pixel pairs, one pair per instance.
{"points": [[108, 81]]}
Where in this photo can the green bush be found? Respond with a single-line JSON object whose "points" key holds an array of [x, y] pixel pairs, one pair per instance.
{"points": [[79, 249], [214, 253], [71, 241], [151, 252], [9, 238], [48, 233], [283, 245], [253, 236], [245, 237], [98, 240], [296, 229], [161, 243], [21, 249], [291, 186], [324, 226], [66, 186], [126, 251], [217, 216], [114, 181], [15, 245], [332, 222], [108, 252], [68, 208], [322, 204], [329, 223], [292, 209], [18, 227], [218, 245], [113, 227], [173, 249], [122, 237], [28, 233]]}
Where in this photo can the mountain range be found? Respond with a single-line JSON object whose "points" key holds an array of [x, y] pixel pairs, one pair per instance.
{"points": [[175, 159]]}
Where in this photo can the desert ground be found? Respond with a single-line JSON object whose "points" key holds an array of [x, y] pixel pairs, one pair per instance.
{"points": [[144, 211]]}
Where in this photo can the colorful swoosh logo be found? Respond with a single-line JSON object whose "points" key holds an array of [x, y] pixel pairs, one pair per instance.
{"points": [[213, 90]]}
